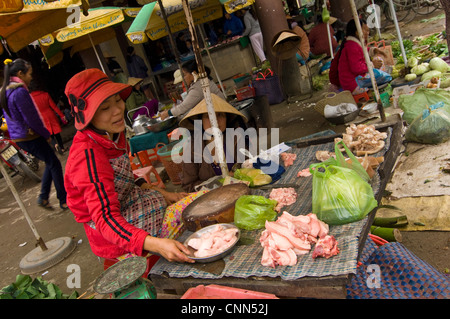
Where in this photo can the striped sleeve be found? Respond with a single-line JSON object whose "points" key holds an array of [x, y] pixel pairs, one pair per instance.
{"points": [[104, 207]]}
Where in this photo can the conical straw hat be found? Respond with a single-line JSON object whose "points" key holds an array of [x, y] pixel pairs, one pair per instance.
{"points": [[285, 44], [220, 106], [133, 81]]}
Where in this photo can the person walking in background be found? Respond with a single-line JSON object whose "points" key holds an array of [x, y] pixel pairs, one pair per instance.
{"points": [[253, 30], [48, 110], [26, 128]]}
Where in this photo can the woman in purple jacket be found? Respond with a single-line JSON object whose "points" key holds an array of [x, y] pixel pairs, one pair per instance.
{"points": [[26, 128]]}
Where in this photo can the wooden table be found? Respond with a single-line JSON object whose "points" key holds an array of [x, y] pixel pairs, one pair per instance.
{"points": [[307, 287]]}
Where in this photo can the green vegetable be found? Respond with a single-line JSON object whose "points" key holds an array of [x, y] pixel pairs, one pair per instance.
{"points": [[413, 62], [252, 211], [421, 69], [410, 77], [431, 74], [27, 288], [439, 65], [445, 81]]}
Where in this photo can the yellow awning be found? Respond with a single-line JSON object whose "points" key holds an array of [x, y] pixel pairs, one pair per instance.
{"points": [[36, 20], [149, 23]]}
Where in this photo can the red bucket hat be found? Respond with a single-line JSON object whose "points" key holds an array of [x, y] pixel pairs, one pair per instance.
{"points": [[87, 89]]}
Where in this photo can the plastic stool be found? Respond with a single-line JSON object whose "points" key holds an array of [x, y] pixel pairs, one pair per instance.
{"points": [[146, 173], [361, 96]]}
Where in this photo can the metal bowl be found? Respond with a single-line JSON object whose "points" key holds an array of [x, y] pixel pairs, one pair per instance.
{"points": [[158, 125], [215, 257]]}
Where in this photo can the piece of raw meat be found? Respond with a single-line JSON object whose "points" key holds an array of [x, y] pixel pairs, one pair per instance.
{"points": [[288, 158], [293, 235], [283, 196], [304, 173], [213, 242], [326, 247]]}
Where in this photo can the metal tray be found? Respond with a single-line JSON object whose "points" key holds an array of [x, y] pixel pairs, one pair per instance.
{"points": [[216, 256]]}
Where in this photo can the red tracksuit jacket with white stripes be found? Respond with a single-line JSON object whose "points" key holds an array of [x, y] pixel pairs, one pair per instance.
{"points": [[91, 196]]}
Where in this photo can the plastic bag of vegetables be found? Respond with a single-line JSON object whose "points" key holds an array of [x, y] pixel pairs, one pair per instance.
{"points": [[340, 195], [413, 105], [431, 127], [251, 211]]}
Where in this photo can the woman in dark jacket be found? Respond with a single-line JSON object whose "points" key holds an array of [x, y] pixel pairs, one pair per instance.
{"points": [[26, 128]]}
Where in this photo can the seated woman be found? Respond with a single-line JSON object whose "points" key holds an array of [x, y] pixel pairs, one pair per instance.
{"points": [[194, 92], [120, 213], [197, 171], [349, 61]]}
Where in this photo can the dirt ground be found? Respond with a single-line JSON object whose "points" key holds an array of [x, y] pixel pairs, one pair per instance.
{"points": [[17, 240]]}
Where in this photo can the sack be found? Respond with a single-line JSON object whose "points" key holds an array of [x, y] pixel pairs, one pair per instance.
{"points": [[268, 83], [413, 105], [380, 77], [431, 127], [339, 194], [251, 211]]}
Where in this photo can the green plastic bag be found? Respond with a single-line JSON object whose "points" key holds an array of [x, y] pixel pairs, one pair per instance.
{"points": [[413, 105], [340, 195], [431, 127], [252, 211], [340, 161]]}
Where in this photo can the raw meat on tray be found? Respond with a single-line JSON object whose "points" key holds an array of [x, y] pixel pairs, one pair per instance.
{"points": [[290, 236]]}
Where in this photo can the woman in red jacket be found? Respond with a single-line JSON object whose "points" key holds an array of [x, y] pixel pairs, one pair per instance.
{"points": [[349, 61], [121, 214], [49, 110]]}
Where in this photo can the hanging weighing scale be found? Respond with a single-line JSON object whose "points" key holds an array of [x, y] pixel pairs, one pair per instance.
{"points": [[124, 280]]}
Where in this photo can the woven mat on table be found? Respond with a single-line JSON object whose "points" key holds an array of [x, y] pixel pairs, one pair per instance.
{"points": [[245, 260], [402, 275]]}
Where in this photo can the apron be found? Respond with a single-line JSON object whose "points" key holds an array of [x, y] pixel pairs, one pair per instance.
{"points": [[142, 208]]}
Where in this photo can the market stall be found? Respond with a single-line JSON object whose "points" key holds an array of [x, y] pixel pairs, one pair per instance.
{"points": [[230, 57], [308, 277]]}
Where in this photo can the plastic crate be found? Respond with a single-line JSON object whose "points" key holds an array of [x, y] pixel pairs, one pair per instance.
{"points": [[245, 93], [223, 292]]}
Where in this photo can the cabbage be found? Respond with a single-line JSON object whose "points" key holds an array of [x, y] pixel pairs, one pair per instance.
{"points": [[410, 77], [439, 65], [420, 69], [431, 74], [445, 81], [412, 62]]}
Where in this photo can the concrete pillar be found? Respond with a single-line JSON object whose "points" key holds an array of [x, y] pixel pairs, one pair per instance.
{"points": [[272, 20]]}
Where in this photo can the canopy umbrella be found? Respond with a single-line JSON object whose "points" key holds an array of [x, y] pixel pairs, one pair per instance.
{"points": [[20, 28], [91, 30], [233, 5], [149, 24]]}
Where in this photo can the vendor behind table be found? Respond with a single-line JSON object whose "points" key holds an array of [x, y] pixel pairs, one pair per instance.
{"points": [[121, 213], [194, 92]]}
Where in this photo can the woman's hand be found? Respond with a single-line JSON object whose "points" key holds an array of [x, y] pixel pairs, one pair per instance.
{"points": [[170, 249], [164, 115], [172, 197], [377, 62]]}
